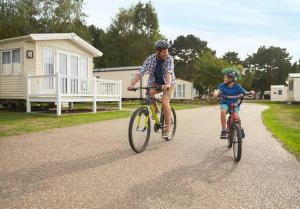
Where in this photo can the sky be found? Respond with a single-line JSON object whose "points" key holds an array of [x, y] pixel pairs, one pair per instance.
{"points": [[227, 25]]}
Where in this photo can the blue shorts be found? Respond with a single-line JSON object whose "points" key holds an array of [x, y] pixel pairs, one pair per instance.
{"points": [[226, 107]]}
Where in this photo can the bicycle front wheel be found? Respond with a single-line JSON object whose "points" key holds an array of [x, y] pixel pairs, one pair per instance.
{"points": [[237, 142], [139, 130]]}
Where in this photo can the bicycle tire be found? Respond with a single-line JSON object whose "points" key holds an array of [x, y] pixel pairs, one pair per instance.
{"points": [[137, 112], [237, 144]]}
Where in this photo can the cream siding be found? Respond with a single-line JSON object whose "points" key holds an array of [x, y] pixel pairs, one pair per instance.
{"points": [[188, 90], [64, 46], [125, 76], [12, 86], [295, 94], [275, 93]]}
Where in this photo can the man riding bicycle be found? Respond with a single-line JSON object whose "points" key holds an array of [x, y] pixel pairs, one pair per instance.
{"points": [[160, 66], [229, 88]]}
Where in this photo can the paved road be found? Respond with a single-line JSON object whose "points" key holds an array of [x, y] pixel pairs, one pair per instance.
{"points": [[92, 166]]}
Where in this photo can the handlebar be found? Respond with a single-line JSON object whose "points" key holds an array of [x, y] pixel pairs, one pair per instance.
{"points": [[240, 96], [158, 88]]}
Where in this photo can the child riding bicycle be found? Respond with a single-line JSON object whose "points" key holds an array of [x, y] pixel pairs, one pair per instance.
{"points": [[229, 89]]}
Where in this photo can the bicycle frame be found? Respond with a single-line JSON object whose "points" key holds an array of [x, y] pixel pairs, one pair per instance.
{"points": [[149, 106]]}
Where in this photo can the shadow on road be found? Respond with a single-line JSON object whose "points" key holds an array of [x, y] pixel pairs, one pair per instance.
{"points": [[25, 180], [177, 182]]}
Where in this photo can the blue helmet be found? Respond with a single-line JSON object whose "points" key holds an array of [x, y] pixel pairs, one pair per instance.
{"points": [[161, 44]]}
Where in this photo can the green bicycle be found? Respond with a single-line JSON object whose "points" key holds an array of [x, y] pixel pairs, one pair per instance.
{"points": [[140, 122]]}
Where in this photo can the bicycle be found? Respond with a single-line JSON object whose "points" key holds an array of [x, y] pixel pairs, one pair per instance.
{"points": [[140, 122], [235, 132]]}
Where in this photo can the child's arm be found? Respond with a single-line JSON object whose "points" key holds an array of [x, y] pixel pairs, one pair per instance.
{"points": [[243, 91], [216, 93]]}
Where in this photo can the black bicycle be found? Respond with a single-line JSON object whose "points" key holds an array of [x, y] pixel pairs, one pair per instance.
{"points": [[235, 132], [140, 122]]}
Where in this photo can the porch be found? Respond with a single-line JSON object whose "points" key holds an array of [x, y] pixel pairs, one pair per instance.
{"points": [[61, 89]]}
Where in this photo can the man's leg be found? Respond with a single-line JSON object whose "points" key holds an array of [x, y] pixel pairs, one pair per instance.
{"points": [[167, 95], [152, 93], [167, 111]]}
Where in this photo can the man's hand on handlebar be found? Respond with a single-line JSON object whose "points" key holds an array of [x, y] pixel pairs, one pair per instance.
{"points": [[130, 87]]}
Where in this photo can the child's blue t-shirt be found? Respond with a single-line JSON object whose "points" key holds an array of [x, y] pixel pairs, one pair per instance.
{"points": [[233, 91]]}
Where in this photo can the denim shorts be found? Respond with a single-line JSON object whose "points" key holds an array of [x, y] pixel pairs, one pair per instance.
{"points": [[226, 107]]}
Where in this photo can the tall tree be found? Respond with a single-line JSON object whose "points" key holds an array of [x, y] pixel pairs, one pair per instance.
{"points": [[18, 17], [21, 17], [131, 36], [271, 66], [232, 58], [208, 72], [97, 37], [186, 50]]}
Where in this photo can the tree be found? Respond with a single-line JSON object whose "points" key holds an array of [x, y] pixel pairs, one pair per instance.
{"points": [[97, 37], [21, 17], [186, 50], [271, 66], [18, 17], [232, 58], [208, 73], [247, 79], [131, 36]]}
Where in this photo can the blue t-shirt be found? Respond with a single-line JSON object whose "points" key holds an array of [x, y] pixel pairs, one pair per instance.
{"points": [[233, 91], [158, 73]]}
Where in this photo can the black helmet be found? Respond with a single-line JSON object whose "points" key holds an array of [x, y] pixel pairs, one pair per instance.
{"points": [[161, 44]]}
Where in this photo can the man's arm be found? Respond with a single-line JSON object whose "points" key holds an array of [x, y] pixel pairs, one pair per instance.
{"points": [[169, 73], [136, 79], [139, 74]]}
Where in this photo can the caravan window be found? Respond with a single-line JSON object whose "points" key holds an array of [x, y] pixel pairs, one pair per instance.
{"points": [[48, 62], [11, 62], [291, 85]]}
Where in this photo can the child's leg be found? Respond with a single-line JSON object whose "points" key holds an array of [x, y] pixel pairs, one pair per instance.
{"points": [[223, 119], [224, 109]]}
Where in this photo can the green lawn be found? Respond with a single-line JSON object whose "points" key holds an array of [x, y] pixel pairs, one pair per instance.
{"points": [[15, 123], [284, 121], [134, 105]]}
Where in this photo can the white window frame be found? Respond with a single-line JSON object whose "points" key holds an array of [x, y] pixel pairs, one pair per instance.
{"points": [[182, 92], [54, 62], [12, 72]]}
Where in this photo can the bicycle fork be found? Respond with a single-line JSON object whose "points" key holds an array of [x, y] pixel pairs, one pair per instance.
{"points": [[138, 122]]}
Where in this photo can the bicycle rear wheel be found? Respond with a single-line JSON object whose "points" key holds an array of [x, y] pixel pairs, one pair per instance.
{"points": [[237, 142], [229, 139], [173, 123], [139, 130]]}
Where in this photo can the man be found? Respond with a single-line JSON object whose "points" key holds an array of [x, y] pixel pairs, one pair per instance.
{"points": [[160, 66]]}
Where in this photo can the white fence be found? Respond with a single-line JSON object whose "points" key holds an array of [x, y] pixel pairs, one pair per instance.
{"points": [[61, 88]]}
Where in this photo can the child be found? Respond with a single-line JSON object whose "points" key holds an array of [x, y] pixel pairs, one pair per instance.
{"points": [[229, 88]]}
